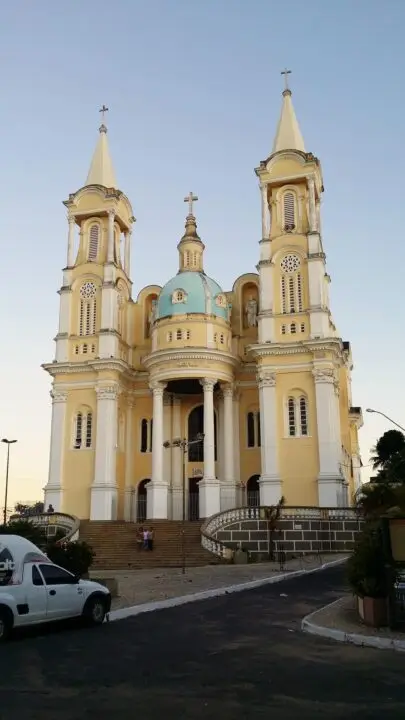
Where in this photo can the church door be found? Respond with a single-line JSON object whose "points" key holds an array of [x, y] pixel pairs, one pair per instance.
{"points": [[141, 501], [193, 499], [253, 491]]}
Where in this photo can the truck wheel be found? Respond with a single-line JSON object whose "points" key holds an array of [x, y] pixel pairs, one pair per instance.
{"points": [[6, 624], [94, 611]]}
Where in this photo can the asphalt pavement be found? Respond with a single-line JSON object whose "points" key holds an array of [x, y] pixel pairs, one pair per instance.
{"points": [[237, 656]]}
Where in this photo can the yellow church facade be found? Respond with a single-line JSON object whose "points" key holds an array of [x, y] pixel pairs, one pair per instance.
{"points": [[255, 378]]}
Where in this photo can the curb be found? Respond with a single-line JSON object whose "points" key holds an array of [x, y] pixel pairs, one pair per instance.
{"points": [[373, 641], [124, 613]]}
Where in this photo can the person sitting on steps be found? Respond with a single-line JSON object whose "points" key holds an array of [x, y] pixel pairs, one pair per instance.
{"points": [[139, 538]]}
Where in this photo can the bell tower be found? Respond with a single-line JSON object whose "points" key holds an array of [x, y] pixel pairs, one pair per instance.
{"points": [[92, 346], [299, 354], [294, 303]]}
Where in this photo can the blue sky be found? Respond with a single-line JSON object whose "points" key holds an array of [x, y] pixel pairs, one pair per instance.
{"points": [[194, 95]]}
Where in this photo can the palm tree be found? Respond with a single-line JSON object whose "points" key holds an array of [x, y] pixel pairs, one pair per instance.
{"points": [[387, 447]]}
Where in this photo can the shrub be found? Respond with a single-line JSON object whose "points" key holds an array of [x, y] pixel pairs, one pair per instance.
{"points": [[367, 570], [76, 557], [25, 529]]}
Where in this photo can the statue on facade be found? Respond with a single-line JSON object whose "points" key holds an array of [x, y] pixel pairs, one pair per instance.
{"points": [[251, 312]]}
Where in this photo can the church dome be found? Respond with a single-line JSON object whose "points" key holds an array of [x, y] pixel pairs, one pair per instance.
{"points": [[192, 292]]}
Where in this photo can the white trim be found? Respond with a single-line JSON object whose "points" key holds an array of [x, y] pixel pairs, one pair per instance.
{"points": [[133, 610], [374, 641]]}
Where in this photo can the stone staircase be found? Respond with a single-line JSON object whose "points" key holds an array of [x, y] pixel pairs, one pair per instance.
{"points": [[116, 547]]}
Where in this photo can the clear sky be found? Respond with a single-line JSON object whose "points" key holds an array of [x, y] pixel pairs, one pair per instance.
{"points": [[194, 91]]}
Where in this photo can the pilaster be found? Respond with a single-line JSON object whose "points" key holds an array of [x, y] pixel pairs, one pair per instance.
{"points": [[270, 483], [103, 499], [330, 478], [53, 488], [129, 501]]}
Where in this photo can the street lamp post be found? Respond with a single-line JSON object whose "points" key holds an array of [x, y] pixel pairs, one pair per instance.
{"points": [[8, 443], [184, 445], [378, 412]]}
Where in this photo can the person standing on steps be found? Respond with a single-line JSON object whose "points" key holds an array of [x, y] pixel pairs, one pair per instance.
{"points": [[150, 538], [145, 544]]}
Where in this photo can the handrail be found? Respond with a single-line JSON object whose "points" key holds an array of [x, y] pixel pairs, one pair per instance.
{"points": [[66, 522], [220, 521]]}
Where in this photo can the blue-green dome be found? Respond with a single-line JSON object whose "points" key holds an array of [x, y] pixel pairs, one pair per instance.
{"points": [[192, 292]]}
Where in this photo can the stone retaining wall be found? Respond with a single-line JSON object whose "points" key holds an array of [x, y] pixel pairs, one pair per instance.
{"points": [[293, 536]]}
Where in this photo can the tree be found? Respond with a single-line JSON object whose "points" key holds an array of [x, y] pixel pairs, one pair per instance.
{"points": [[386, 491], [28, 510], [25, 529], [388, 446]]}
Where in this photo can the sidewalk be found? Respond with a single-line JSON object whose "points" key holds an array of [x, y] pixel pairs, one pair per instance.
{"points": [[339, 621], [147, 586]]}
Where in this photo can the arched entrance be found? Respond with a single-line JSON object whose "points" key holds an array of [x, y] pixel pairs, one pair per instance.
{"points": [[193, 498], [253, 491], [141, 501], [196, 426]]}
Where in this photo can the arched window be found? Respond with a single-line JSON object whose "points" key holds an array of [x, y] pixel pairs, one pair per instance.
{"points": [[253, 429], [178, 334], [187, 258], [169, 336], [292, 429], [146, 435], [93, 242], [289, 211], [291, 284], [283, 329], [87, 318], [302, 327], [83, 428], [293, 328], [297, 416], [303, 416]]}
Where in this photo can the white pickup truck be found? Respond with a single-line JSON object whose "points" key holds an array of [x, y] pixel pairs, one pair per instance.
{"points": [[34, 590]]}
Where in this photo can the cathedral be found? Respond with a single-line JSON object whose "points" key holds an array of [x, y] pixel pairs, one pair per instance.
{"points": [[189, 397]]}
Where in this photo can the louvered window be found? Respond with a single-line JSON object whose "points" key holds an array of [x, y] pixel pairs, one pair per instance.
{"points": [[289, 211], [93, 242]]}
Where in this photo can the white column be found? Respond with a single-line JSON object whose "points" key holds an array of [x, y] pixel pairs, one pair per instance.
{"points": [[167, 435], [127, 253], [236, 445], [129, 502], [329, 441], [228, 488], [270, 483], [311, 204], [209, 487], [71, 241], [265, 211], [177, 460], [221, 436], [157, 489], [62, 338], [103, 503], [53, 488], [110, 248]]}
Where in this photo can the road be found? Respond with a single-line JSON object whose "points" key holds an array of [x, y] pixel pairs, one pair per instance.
{"points": [[238, 656]]}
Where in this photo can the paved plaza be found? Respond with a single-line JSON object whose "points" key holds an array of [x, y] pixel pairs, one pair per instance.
{"points": [[144, 586], [237, 656]]}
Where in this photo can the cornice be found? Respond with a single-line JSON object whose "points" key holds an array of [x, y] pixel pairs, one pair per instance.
{"points": [[73, 368], [163, 356], [268, 349]]}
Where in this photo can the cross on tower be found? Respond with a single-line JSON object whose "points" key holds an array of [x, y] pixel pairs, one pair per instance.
{"points": [[190, 199], [286, 73], [103, 110]]}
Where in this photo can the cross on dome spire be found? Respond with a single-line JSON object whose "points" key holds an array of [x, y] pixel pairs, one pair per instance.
{"points": [[286, 73], [288, 135], [101, 169], [190, 199], [103, 110]]}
